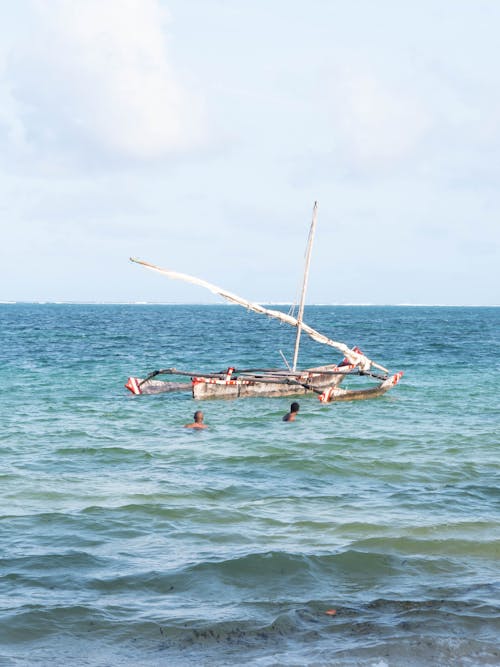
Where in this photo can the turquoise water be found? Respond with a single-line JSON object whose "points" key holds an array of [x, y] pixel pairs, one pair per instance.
{"points": [[129, 540]]}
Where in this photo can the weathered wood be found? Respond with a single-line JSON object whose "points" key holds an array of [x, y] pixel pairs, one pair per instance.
{"points": [[335, 394], [270, 382], [311, 381], [160, 387], [203, 391]]}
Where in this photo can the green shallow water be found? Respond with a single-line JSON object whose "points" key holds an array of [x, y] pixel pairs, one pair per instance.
{"points": [[129, 540]]}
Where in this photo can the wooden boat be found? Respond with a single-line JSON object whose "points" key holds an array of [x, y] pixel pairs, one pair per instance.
{"points": [[233, 383], [322, 380]]}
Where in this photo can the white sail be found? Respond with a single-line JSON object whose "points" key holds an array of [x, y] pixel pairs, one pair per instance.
{"points": [[353, 357]]}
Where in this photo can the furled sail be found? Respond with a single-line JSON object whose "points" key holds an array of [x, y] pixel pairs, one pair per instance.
{"points": [[353, 357]]}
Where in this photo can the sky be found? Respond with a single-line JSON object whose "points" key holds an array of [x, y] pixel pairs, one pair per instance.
{"points": [[197, 135]]}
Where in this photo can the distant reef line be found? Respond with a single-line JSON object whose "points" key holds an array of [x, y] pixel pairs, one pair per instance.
{"points": [[230, 305]]}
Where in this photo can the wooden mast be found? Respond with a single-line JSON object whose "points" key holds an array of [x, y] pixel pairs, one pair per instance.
{"points": [[304, 285]]}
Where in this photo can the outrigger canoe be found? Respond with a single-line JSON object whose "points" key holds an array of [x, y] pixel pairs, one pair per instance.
{"points": [[232, 383]]}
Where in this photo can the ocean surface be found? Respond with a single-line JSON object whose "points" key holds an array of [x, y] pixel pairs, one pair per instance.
{"points": [[364, 533]]}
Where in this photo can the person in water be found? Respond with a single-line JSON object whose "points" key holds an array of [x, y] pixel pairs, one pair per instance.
{"points": [[290, 416], [198, 421]]}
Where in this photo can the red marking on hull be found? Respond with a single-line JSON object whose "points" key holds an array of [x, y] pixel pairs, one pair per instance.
{"points": [[133, 386]]}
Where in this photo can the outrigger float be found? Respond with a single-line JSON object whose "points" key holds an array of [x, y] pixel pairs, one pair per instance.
{"points": [[271, 382]]}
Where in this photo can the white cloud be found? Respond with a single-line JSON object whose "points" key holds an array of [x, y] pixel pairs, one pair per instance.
{"points": [[376, 122], [96, 77]]}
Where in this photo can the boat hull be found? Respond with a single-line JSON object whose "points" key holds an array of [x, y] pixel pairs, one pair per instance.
{"points": [[139, 386], [335, 394], [203, 391], [312, 381]]}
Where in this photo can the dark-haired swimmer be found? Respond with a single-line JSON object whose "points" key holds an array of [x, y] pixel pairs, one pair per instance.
{"points": [[290, 416]]}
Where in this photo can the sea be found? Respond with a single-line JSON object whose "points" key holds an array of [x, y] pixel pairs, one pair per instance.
{"points": [[363, 533]]}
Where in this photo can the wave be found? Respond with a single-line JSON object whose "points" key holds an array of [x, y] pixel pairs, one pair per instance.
{"points": [[381, 631], [280, 576]]}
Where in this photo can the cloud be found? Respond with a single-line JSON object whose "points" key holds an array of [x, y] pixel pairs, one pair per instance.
{"points": [[376, 122], [413, 120], [95, 77]]}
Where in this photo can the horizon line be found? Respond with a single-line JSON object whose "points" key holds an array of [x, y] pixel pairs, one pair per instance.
{"points": [[266, 303]]}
